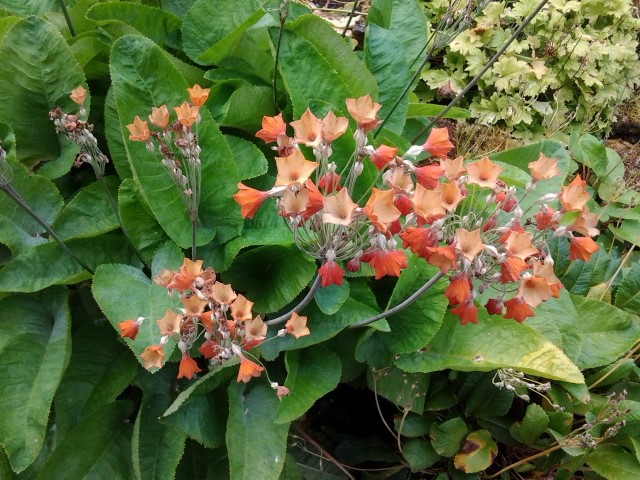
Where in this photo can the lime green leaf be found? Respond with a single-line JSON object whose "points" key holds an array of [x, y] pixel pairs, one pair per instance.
{"points": [[421, 110], [124, 292], [99, 370], [493, 343], [329, 299], [99, 447], [157, 448], [208, 42], [256, 444], [311, 373], [33, 80], [447, 437], [271, 276], [613, 462], [628, 293], [18, 230], [154, 23], [133, 58], [420, 454], [46, 264], [384, 57], [308, 46], [406, 334], [477, 452], [89, 213], [35, 345]]}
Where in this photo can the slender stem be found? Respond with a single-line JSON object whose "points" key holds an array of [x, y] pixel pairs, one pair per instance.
{"points": [[303, 303], [324, 453], [16, 197], [283, 17], [193, 239], [351, 14], [67, 17], [401, 305], [630, 354], [527, 459], [484, 69]]}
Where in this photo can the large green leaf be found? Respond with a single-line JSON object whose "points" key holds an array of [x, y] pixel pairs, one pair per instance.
{"points": [[249, 160], [384, 56], [311, 373], [421, 110], [99, 370], [322, 327], [31, 7], [613, 462], [98, 447], [90, 213], [628, 293], [316, 63], [141, 226], [246, 107], [116, 137], [18, 230], [208, 42], [154, 23], [136, 58], [493, 343], [156, 447], [256, 444], [35, 345], [412, 327], [33, 80], [47, 264], [124, 292], [271, 276], [406, 20]]}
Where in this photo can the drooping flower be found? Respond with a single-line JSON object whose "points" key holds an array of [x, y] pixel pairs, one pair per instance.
{"points": [[293, 169], [364, 111], [248, 369], [187, 114], [297, 326], [382, 155], [282, 391], [380, 209], [574, 197], [152, 356], [188, 367], [249, 200], [544, 218], [438, 143], [429, 175], [129, 329], [331, 273], [293, 203], [333, 127], [517, 309], [585, 224], [78, 95], [330, 182], [308, 130], [184, 278], [511, 269], [442, 257], [241, 308], [198, 95], [339, 208], [255, 332], [544, 167], [534, 290], [483, 173], [138, 130], [419, 240], [581, 248], [159, 116], [459, 289], [386, 262], [209, 348], [467, 311], [469, 243], [494, 306], [545, 270], [272, 128]]}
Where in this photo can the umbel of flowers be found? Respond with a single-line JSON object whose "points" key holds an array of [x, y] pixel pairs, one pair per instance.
{"points": [[459, 217], [212, 316]]}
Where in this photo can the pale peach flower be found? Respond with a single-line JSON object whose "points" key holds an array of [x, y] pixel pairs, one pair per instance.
{"points": [[544, 167], [198, 95], [78, 95], [333, 127], [159, 116], [483, 172], [308, 129], [469, 243], [364, 111], [297, 326], [293, 169], [138, 130], [380, 209]]}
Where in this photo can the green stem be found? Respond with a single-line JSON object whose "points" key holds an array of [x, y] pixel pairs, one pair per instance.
{"points": [[17, 198], [193, 239], [401, 305], [303, 303], [484, 69], [67, 17], [351, 14]]}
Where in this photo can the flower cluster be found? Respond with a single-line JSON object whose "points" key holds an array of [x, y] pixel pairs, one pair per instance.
{"points": [[177, 143], [213, 316], [77, 130], [459, 217]]}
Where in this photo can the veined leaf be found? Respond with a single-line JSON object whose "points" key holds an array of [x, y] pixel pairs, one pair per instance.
{"points": [[628, 293]]}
